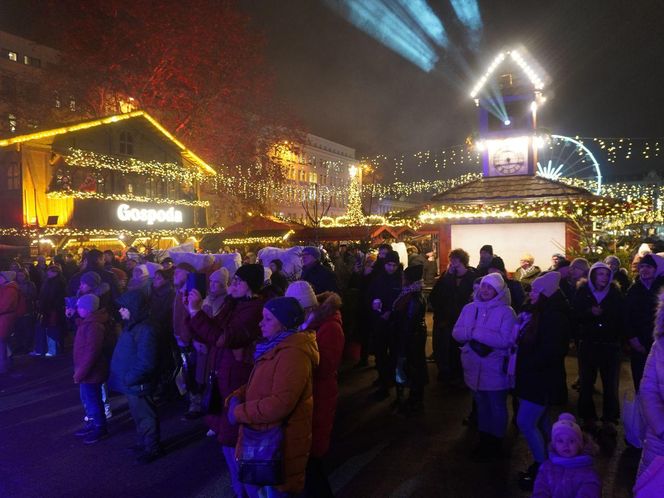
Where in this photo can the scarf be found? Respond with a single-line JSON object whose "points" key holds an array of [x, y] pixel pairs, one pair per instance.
{"points": [[270, 344], [570, 463], [405, 291]]}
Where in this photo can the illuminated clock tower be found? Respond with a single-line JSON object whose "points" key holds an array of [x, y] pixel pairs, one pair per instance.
{"points": [[508, 96]]}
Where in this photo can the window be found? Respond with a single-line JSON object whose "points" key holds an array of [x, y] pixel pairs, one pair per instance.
{"points": [[126, 143], [9, 87], [12, 56], [72, 104], [57, 102], [13, 176], [31, 61], [12, 122]]}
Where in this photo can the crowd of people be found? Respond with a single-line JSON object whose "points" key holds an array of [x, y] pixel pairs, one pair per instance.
{"points": [[256, 352]]}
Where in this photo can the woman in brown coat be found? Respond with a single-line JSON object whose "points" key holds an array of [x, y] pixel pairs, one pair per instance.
{"points": [[279, 391]]}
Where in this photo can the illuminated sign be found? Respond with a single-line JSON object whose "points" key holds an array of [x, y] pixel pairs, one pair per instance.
{"points": [[149, 216]]}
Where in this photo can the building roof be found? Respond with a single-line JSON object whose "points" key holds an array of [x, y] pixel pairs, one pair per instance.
{"points": [[510, 188], [186, 153]]}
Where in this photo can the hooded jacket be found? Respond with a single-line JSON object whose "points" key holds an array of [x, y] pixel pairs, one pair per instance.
{"points": [[609, 326], [567, 478], [279, 392], [90, 364], [651, 394], [539, 363], [491, 323], [136, 359], [330, 340]]}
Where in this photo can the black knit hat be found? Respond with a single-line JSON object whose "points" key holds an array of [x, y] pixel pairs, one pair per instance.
{"points": [[414, 273], [253, 275], [649, 260], [497, 263], [392, 257]]}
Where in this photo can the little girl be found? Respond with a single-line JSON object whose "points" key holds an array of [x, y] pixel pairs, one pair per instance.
{"points": [[569, 472]]}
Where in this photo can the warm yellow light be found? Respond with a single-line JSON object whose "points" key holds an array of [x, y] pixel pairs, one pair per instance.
{"points": [[352, 171]]}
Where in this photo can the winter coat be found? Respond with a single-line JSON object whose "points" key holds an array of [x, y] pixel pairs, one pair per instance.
{"points": [[136, 362], [330, 340], [322, 279], [640, 306], [386, 287], [651, 397], [449, 295], [622, 279], [517, 294], [51, 304], [411, 337], [161, 308], [577, 479], [90, 364], [29, 292], [279, 280], [279, 392], [10, 297], [237, 322], [526, 277], [180, 319], [610, 326], [490, 323], [542, 349]]}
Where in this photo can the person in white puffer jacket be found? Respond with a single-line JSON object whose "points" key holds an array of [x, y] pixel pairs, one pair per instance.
{"points": [[485, 330], [651, 394]]}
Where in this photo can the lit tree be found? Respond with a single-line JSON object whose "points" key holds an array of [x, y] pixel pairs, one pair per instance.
{"points": [[354, 213]]}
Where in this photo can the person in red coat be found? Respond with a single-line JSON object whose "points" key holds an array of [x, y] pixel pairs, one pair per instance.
{"points": [[230, 337], [10, 297], [324, 317], [91, 365]]}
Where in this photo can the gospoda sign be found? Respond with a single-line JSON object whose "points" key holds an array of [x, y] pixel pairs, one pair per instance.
{"points": [[149, 216]]}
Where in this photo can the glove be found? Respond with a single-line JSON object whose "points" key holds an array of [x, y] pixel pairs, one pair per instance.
{"points": [[231, 408]]}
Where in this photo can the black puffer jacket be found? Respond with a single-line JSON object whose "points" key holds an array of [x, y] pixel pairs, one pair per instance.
{"points": [[641, 304], [610, 326], [542, 348], [448, 299]]}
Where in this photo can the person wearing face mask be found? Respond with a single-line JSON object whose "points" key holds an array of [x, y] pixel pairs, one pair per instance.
{"points": [[135, 371], [280, 392], [641, 304], [598, 308], [230, 336], [485, 330]]}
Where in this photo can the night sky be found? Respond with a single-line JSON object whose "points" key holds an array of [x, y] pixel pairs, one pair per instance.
{"points": [[605, 59]]}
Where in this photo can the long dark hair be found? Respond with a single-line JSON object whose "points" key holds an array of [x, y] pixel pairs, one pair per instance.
{"points": [[529, 334]]}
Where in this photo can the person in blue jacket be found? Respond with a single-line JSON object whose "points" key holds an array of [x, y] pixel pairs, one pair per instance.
{"points": [[135, 371]]}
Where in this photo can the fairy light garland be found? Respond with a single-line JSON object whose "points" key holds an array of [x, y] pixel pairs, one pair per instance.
{"points": [[77, 194], [168, 171], [101, 232]]}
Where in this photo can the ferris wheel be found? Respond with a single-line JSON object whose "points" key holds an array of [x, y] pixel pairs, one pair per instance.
{"points": [[567, 160]]}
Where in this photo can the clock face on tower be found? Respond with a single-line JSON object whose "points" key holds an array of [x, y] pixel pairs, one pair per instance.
{"points": [[509, 161]]}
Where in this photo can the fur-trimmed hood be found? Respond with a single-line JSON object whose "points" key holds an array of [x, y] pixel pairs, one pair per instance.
{"points": [[329, 305]]}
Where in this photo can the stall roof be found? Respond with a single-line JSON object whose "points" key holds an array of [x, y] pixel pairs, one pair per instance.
{"points": [[350, 233]]}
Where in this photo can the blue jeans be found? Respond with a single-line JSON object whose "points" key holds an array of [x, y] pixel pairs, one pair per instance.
{"points": [[492, 412], [92, 404], [533, 421]]}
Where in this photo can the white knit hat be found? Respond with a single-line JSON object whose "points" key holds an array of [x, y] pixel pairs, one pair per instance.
{"points": [[221, 275], [495, 280], [547, 284], [567, 424], [303, 292]]}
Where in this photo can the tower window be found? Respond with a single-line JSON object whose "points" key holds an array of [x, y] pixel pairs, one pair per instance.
{"points": [[126, 143]]}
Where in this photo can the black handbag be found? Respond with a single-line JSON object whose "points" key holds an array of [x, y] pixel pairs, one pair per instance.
{"points": [[260, 456], [480, 348], [211, 402]]}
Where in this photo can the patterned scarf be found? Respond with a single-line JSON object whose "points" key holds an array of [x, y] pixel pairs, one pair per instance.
{"points": [[269, 344]]}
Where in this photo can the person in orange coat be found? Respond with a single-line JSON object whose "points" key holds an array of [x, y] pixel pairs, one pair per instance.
{"points": [[280, 391], [324, 317], [10, 298]]}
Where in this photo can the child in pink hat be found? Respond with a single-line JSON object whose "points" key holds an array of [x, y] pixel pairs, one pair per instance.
{"points": [[569, 472]]}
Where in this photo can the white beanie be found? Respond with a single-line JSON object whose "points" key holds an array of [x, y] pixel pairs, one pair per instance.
{"points": [[302, 291], [495, 280], [221, 275], [547, 284]]}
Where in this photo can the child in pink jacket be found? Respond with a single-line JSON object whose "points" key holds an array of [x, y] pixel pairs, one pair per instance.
{"points": [[569, 472]]}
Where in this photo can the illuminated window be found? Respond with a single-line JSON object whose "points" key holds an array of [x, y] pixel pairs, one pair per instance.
{"points": [[72, 104], [13, 177], [126, 143], [57, 103], [12, 122], [12, 56], [31, 61]]}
